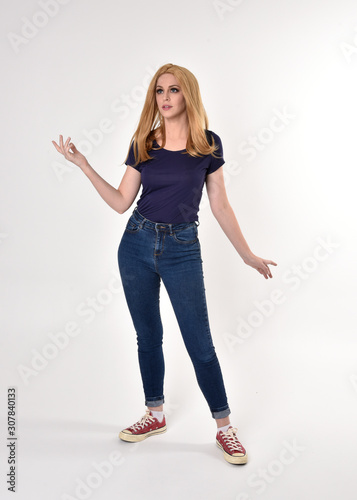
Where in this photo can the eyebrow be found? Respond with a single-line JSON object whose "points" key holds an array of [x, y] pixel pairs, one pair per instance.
{"points": [[169, 86]]}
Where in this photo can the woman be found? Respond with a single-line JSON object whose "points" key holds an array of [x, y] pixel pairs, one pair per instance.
{"points": [[172, 154]]}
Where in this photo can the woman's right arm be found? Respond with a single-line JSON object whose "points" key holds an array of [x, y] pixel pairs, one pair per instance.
{"points": [[118, 199]]}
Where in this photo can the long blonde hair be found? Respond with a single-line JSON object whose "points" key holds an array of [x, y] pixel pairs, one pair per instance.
{"points": [[151, 119]]}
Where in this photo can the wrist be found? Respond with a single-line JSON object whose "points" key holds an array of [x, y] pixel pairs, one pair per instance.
{"points": [[247, 257], [85, 167]]}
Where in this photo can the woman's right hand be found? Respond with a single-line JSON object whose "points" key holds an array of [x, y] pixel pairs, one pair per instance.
{"points": [[70, 152]]}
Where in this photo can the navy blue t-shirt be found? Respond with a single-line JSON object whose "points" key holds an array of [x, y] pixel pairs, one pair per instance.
{"points": [[173, 182]]}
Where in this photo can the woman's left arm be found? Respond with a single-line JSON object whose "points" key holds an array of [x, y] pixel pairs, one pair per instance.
{"points": [[226, 218]]}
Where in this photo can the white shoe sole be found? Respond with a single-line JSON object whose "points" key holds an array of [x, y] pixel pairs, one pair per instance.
{"points": [[133, 438], [233, 460]]}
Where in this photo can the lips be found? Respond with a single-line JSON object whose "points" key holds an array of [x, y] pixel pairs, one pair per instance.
{"points": [[166, 107]]}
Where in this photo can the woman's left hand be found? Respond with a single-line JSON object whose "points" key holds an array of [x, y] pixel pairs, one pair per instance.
{"points": [[261, 265]]}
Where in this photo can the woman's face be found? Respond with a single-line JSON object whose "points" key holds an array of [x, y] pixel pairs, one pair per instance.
{"points": [[169, 93]]}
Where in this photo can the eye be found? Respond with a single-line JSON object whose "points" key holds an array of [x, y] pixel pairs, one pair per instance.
{"points": [[173, 88]]}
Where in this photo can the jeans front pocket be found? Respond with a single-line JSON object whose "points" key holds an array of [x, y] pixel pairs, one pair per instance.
{"points": [[132, 225], [186, 235]]}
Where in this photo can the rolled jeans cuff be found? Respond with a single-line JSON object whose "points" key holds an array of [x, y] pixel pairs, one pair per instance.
{"points": [[221, 414], [158, 401]]}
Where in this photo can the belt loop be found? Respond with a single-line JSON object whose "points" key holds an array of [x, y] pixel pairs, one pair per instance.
{"points": [[170, 225], [142, 222]]}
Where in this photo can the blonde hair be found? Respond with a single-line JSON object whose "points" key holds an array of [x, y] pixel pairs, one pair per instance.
{"points": [[152, 120]]}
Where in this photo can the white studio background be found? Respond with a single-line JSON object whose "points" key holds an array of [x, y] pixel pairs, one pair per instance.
{"points": [[278, 81]]}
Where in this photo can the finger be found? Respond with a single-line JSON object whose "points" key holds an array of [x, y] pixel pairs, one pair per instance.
{"points": [[59, 149], [63, 145], [268, 272], [67, 154], [63, 151], [266, 261], [66, 144]]}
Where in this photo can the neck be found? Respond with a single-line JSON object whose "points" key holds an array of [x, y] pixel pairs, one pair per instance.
{"points": [[176, 128]]}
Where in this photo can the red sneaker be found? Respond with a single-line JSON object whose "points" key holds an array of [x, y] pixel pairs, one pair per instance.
{"points": [[233, 451], [147, 426]]}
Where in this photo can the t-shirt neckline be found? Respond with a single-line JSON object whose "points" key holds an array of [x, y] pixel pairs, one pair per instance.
{"points": [[171, 150]]}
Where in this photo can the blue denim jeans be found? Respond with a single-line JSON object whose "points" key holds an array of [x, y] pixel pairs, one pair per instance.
{"points": [[148, 253]]}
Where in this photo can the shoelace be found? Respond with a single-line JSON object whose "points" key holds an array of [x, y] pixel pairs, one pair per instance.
{"points": [[145, 420], [231, 440]]}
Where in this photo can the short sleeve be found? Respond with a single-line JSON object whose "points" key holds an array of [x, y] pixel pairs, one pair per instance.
{"points": [[219, 160], [131, 159]]}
